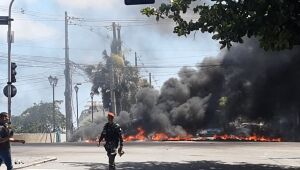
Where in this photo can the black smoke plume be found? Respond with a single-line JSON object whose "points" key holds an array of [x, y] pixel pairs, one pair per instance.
{"points": [[258, 85]]}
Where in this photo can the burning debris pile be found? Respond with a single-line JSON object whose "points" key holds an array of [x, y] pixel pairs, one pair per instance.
{"points": [[258, 85], [243, 82], [140, 136]]}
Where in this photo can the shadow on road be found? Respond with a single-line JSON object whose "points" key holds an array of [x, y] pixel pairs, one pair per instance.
{"points": [[196, 165]]}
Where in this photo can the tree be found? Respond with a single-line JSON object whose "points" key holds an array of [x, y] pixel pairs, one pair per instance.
{"points": [[276, 23], [126, 81], [38, 119]]}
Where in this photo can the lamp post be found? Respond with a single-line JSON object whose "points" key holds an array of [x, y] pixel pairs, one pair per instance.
{"points": [[92, 99], [76, 90], [53, 83]]}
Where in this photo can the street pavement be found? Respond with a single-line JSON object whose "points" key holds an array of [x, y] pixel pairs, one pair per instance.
{"points": [[161, 156]]}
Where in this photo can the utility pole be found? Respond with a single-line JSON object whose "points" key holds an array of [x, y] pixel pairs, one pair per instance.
{"points": [[119, 39], [150, 79], [135, 59], [112, 87], [114, 50], [92, 101], [68, 91], [114, 44]]}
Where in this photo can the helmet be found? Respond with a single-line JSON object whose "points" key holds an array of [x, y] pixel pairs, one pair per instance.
{"points": [[111, 114]]}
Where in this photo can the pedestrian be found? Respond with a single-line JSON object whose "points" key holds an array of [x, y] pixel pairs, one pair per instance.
{"points": [[112, 133], [5, 134]]}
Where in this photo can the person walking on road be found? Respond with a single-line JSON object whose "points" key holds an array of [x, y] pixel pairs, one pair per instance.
{"points": [[5, 134], [112, 133]]}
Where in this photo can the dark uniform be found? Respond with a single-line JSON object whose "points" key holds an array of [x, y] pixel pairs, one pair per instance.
{"points": [[112, 133], [5, 154]]}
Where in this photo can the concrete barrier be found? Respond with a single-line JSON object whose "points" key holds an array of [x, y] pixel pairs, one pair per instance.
{"points": [[40, 137]]}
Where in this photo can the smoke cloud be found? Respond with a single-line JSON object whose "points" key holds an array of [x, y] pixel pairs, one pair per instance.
{"points": [[258, 85]]}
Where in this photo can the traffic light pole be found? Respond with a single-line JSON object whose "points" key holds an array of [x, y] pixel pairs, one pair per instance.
{"points": [[9, 41]]}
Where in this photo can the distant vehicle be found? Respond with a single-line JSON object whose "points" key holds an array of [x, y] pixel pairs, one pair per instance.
{"points": [[249, 128], [208, 134]]}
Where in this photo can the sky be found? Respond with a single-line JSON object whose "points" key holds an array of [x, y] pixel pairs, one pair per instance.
{"points": [[39, 39]]}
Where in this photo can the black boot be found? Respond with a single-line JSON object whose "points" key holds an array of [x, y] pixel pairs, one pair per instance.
{"points": [[112, 165]]}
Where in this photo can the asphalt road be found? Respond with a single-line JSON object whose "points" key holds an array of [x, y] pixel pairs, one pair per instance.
{"points": [[166, 155]]}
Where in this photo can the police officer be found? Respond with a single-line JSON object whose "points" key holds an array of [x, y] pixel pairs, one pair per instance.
{"points": [[5, 135], [112, 134]]}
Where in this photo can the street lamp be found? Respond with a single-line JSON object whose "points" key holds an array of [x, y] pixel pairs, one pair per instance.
{"points": [[53, 83], [92, 98], [76, 90]]}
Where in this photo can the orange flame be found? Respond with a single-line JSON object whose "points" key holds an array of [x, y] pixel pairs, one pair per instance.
{"points": [[90, 141], [140, 136], [159, 136], [253, 138], [181, 138], [165, 137]]}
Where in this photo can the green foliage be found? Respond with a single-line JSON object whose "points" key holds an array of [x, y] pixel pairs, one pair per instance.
{"points": [[276, 23], [127, 82], [223, 101], [38, 119]]}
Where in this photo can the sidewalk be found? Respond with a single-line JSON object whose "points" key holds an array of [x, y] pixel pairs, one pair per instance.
{"points": [[20, 162]]}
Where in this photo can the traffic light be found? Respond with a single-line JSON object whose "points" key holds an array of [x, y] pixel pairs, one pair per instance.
{"points": [[13, 72], [136, 2]]}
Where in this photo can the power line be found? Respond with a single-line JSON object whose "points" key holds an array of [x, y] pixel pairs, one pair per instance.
{"points": [[35, 89], [33, 12], [30, 56], [25, 60], [54, 48], [42, 16]]}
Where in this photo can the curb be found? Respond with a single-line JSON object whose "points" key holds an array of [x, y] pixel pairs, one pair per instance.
{"points": [[48, 159]]}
